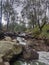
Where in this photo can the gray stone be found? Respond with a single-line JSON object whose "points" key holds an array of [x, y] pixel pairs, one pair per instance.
{"points": [[8, 49]]}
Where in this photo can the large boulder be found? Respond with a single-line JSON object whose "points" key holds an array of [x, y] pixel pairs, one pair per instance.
{"points": [[3, 63], [16, 50], [6, 63], [8, 50], [29, 54]]}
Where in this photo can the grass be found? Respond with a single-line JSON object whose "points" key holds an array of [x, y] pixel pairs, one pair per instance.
{"points": [[44, 32]]}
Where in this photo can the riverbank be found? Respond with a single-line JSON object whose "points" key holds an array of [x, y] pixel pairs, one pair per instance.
{"points": [[43, 60], [12, 49], [38, 45]]}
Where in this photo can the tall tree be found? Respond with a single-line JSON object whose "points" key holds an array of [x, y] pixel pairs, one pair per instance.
{"points": [[0, 14], [8, 10], [13, 19], [34, 10]]}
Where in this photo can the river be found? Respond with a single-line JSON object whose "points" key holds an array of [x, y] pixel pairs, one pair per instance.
{"points": [[43, 57]]}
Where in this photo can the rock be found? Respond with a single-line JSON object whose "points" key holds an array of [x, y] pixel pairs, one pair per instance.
{"points": [[6, 63], [47, 31], [16, 50], [1, 35], [14, 40], [47, 42], [7, 39], [17, 41], [1, 61], [29, 54], [8, 50]]}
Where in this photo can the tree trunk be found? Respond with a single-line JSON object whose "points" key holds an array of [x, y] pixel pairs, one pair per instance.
{"points": [[13, 26], [40, 28], [7, 21], [1, 15], [33, 25]]}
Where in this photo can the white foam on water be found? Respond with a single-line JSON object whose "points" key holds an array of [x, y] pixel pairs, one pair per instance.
{"points": [[44, 57], [21, 41]]}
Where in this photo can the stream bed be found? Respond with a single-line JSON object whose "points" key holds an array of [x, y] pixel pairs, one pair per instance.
{"points": [[43, 60], [43, 57]]}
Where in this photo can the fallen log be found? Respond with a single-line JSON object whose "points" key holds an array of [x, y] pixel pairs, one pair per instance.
{"points": [[14, 35]]}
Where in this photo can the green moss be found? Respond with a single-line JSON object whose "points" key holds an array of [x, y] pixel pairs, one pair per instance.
{"points": [[17, 63]]}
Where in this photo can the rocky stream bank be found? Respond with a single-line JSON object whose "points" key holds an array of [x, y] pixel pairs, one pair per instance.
{"points": [[11, 50]]}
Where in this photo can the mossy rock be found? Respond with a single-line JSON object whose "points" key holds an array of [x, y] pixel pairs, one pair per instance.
{"points": [[8, 50], [16, 50]]}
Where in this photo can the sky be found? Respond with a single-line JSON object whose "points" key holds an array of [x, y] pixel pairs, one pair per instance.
{"points": [[3, 21], [19, 9]]}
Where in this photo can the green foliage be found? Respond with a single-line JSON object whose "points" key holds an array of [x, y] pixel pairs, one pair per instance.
{"points": [[7, 7], [36, 31], [17, 27], [17, 63], [8, 12], [20, 28], [45, 28], [43, 33]]}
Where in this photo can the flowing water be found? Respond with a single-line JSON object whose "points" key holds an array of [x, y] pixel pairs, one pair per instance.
{"points": [[43, 57]]}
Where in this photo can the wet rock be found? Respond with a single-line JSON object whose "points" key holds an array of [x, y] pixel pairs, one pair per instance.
{"points": [[29, 53], [17, 41], [1, 35]]}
